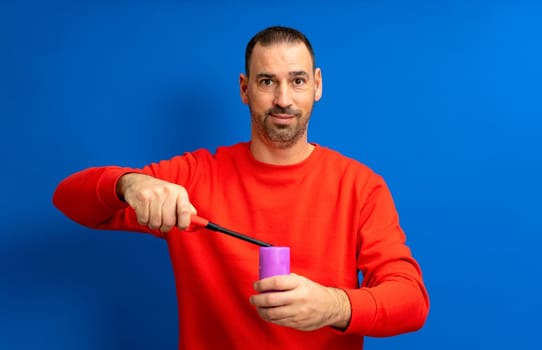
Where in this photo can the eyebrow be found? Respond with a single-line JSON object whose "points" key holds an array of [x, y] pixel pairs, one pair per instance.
{"points": [[296, 73], [299, 73]]}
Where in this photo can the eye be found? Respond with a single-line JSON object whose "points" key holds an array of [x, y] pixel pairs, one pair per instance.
{"points": [[299, 81], [266, 82]]}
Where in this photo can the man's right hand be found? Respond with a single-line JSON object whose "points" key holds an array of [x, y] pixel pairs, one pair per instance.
{"points": [[158, 204]]}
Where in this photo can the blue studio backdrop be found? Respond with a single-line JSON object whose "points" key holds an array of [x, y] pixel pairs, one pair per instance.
{"points": [[442, 98]]}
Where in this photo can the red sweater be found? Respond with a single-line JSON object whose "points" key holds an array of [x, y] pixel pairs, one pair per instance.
{"points": [[335, 214]]}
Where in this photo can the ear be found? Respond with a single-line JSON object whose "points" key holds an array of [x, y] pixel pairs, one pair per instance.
{"points": [[317, 84], [243, 88]]}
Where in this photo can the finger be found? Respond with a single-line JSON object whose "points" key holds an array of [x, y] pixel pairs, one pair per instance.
{"points": [[283, 315], [155, 214], [276, 283], [193, 210], [184, 213], [271, 299], [142, 213], [288, 316], [169, 215]]}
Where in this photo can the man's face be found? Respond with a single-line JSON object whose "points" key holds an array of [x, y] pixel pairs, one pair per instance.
{"points": [[280, 91]]}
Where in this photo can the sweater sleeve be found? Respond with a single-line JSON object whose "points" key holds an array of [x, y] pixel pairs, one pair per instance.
{"points": [[392, 298], [89, 198]]}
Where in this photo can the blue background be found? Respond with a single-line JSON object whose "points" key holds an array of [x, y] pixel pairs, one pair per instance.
{"points": [[443, 98]]}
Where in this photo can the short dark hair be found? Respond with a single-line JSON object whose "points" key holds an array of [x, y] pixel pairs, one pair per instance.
{"points": [[276, 35]]}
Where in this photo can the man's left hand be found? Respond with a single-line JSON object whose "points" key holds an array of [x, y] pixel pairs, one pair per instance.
{"points": [[297, 302]]}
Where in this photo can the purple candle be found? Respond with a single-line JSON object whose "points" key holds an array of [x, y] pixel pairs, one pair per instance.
{"points": [[274, 261]]}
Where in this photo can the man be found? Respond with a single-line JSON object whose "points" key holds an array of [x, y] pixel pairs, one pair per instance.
{"points": [[335, 214]]}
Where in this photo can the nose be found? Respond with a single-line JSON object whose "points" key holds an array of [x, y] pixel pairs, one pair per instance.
{"points": [[282, 96]]}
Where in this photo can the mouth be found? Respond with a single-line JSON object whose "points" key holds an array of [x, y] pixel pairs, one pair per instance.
{"points": [[282, 120], [282, 116]]}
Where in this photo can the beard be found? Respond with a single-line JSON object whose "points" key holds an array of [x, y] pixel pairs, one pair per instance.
{"points": [[281, 135]]}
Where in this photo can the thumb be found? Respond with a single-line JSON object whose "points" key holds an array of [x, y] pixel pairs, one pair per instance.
{"points": [[193, 210]]}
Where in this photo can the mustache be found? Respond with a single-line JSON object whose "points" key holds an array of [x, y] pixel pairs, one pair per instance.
{"points": [[282, 110]]}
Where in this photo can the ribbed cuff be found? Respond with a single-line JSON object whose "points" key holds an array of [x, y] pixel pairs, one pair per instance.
{"points": [[107, 187], [364, 310]]}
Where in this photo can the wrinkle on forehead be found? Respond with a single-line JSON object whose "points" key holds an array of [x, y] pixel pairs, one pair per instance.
{"points": [[281, 58]]}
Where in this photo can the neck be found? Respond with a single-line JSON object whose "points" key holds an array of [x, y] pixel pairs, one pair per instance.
{"points": [[276, 155]]}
